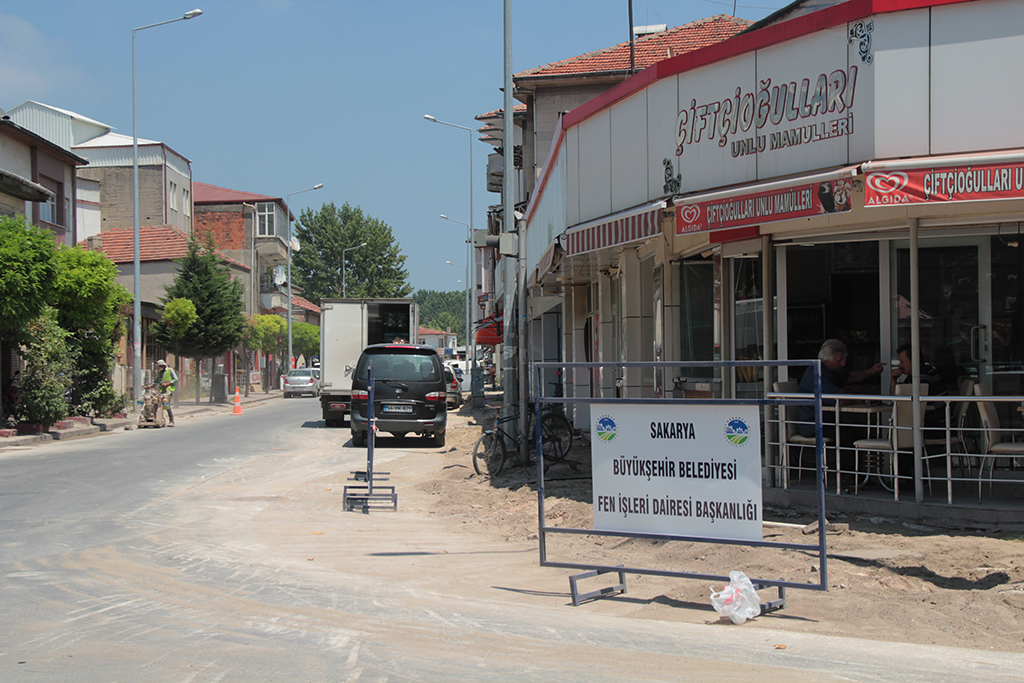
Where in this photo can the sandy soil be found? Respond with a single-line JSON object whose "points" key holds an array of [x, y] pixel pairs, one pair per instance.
{"points": [[888, 581]]}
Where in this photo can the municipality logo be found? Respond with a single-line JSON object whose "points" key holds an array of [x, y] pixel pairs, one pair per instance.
{"points": [[736, 431], [606, 428]]}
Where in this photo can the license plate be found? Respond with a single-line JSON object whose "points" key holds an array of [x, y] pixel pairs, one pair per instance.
{"points": [[397, 408]]}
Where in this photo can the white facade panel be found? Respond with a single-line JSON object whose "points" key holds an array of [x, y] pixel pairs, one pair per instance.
{"points": [[178, 163], [805, 65], [571, 159], [662, 103], [628, 159], [595, 171], [548, 219], [45, 122], [977, 84], [707, 158], [105, 157]]}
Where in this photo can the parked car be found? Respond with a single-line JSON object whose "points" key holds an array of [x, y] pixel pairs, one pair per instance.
{"points": [[301, 381], [454, 388], [410, 393]]}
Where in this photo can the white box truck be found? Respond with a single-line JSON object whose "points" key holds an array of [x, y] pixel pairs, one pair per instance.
{"points": [[347, 326]]}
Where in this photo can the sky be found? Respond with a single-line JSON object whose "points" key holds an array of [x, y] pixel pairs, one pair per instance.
{"points": [[275, 96]]}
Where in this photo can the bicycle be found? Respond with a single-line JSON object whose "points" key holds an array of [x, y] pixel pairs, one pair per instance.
{"points": [[490, 452]]}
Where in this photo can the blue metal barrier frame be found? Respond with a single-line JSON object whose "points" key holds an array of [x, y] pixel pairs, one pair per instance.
{"points": [[813, 399]]}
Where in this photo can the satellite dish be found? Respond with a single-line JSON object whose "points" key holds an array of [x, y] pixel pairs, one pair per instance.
{"points": [[279, 275], [295, 244]]}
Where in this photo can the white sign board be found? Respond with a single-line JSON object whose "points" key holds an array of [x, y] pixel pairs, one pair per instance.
{"points": [[691, 470]]}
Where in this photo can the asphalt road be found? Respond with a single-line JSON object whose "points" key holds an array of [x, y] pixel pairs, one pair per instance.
{"points": [[188, 555]]}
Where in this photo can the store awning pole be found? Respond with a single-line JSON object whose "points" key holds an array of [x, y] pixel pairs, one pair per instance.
{"points": [[915, 357]]}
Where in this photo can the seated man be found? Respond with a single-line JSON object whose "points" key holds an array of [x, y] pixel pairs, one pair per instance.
{"points": [[834, 378], [936, 385]]}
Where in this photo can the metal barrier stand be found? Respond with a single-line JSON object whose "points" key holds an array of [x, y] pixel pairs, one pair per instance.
{"points": [[370, 494]]}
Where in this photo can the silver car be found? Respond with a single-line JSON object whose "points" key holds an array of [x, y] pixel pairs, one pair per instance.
{"points": [[301, 381]]}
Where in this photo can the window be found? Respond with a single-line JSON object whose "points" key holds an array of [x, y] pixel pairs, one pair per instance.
{"points": [[172, 196], [186, 202], [265, 219], [50, 211]]}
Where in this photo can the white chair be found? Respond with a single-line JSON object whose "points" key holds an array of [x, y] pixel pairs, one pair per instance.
{"points": [[900, 439], [993, 444], [957, 424], [790, 435]]}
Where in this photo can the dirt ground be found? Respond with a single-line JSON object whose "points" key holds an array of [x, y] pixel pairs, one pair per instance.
{"points": [[888, 581]]}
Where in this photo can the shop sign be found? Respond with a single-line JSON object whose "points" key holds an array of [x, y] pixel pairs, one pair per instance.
{"points": [[778, 115], [690, 470], [797, 201], [944, 184]]}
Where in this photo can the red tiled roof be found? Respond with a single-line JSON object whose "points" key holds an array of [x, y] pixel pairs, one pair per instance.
{"points": [[430, 330], [498, 113], [303, 303], [202, 193], [648, 49], [156, 243]]}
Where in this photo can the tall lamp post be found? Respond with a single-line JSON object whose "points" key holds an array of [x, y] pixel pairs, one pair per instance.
{"points": [[469, 261], [288, 208], [137, 307], [469, 264], [469, 332], [343, 252]]}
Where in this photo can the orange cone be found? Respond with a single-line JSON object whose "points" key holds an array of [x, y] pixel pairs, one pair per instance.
{"points": [[238, 404]]}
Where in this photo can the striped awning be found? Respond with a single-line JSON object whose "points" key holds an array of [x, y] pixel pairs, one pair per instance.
{"points": [[627, 226]]}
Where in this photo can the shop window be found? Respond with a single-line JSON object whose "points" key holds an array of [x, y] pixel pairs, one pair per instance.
{"points": [[699, 285]]}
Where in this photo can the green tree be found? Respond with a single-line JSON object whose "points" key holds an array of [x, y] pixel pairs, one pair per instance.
{"points": [[443, 310], [27, 271], [376, 270], [204, 278], [268, 334], [306, 340], [50, 371], [179, 315], [90, 305]]}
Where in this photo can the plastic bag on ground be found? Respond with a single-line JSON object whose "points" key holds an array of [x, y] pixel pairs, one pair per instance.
{"points": [[738, 600]]}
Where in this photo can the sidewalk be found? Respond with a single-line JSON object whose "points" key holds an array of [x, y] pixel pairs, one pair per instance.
{"points": [[77, 428]]}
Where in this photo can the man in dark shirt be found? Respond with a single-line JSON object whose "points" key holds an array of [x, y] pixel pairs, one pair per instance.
{"points": [[930, 377], [834, 378]]}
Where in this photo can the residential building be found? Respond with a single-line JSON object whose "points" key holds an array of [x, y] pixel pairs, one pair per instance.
{"points": [[160, 246], [37, 179], [165, 176]]}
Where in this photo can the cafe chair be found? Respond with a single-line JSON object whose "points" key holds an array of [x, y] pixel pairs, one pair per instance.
{"points": [[790, 436], [994, 443], [957, 426], [899, 440]]}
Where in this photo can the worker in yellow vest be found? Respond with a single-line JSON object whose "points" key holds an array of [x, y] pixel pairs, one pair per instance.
{"points": [[167, 379]]}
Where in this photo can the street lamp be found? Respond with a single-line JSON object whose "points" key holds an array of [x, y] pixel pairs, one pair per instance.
{"points": [[343, 252], [469, 262], [137, 307], [469, 331], [288, 209]]}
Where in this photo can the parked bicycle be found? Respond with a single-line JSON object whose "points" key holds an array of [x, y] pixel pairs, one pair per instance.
{"points": [[490, 454]]}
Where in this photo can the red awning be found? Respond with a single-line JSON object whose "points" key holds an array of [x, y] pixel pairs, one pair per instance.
{"points": [[490, 331]]}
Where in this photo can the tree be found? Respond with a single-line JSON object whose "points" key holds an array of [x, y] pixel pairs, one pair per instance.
{"points": [[376, 270], [306, 340], [27, 271], [179, 315], [205, 280], [50, 371], [443, 310], [90, 305], [268, 332]]}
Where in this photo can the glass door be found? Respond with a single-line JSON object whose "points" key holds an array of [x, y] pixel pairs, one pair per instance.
{"points": [[954, 313]]}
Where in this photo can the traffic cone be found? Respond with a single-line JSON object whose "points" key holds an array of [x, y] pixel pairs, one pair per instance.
{"points": [[238, 404]]}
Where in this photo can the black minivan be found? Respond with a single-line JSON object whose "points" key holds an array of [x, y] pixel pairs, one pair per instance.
{"points": [[409, 392]]}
